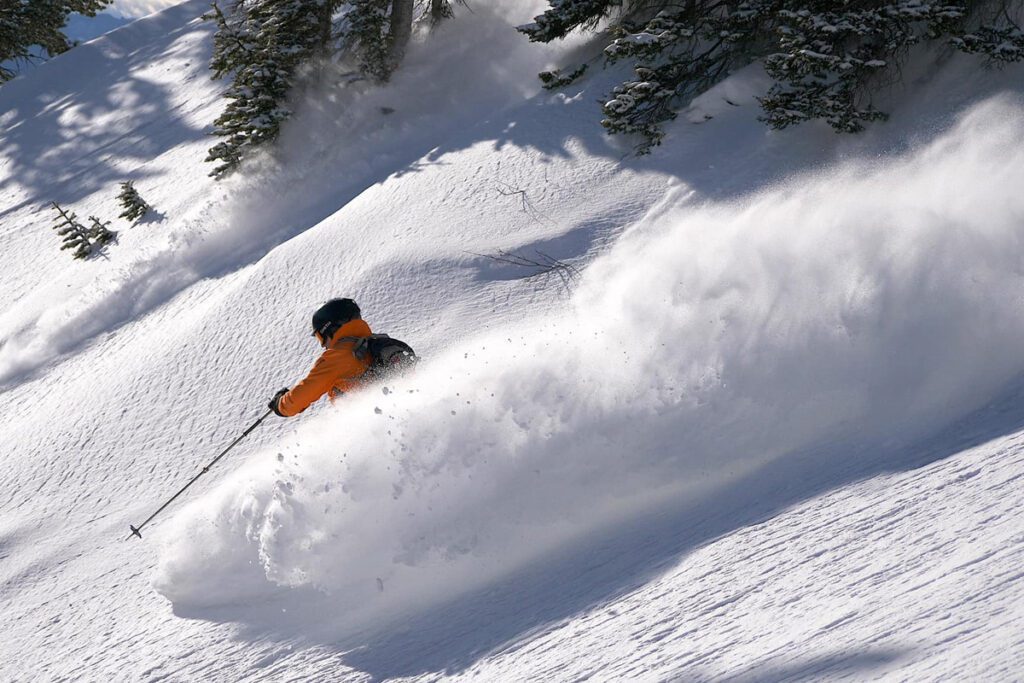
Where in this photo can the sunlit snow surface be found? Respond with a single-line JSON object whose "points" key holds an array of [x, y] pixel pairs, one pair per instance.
{"points": [[772, 433], [827, 313]]}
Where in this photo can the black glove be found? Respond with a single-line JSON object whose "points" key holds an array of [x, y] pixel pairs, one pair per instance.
{"points": [[277, 399]]}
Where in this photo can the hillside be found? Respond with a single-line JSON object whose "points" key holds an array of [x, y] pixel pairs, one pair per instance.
{"points": [[770, 431]]}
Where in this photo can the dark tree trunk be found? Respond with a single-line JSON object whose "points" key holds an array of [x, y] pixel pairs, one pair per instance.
{"points": [[326, 14], [400, 30]]}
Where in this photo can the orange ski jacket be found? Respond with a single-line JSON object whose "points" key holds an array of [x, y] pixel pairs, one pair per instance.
{"points": [[336, 371]]}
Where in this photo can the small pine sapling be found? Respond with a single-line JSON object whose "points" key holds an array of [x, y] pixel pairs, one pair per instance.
{"points": [[135, 207], [74, 235], [99, 233]]}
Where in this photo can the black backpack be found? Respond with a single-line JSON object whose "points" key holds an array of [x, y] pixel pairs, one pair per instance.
{"points": [[387, 356]]}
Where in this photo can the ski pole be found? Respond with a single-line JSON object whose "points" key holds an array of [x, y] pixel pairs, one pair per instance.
{"points": [[136, 530]]}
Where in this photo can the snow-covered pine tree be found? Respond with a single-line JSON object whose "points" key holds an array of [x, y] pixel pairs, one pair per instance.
{"points": [[365, 35], [827, 56], [830, 55], [135, 207], [261, 43], [678, 55], [232, 41], [565, 16], [99, 232], [34, 29], [376, 33], [74, 235], [678, 49]]}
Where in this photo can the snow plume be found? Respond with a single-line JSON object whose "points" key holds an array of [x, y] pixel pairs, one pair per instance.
{"points": [[866, 304], [343, 138]]}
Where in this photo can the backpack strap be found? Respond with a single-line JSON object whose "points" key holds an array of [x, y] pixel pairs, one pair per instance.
{"points": [[359, 344]]}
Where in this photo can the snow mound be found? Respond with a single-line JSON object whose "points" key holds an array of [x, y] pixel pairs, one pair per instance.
{"points": [[863, 305]]}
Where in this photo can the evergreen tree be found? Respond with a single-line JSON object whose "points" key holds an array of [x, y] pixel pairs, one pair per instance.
{"points": [[366, 37], [38, 24], [565, 16], [74, 235], [376, 33], [99, 232], [232, 42], [79, 238], [399, 31], [826, 56], [262, 43], [135, 207], [831, 56], [678, 55]]}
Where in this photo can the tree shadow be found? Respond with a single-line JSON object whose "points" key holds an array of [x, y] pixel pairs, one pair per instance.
{"points": [[152, 216], [732, 154], [55, 142]]}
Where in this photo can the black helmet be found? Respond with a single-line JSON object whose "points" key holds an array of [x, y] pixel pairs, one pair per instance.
{"points": [[332, 315]]}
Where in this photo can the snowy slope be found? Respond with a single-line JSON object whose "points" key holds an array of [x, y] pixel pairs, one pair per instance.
{"points": [[908, 576], [773, 433]]}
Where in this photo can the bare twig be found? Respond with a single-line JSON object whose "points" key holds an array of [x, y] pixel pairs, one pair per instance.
{"points": [[542, 265], [526, 205]]}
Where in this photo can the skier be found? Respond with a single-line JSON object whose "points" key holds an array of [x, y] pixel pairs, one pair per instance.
{"points": [[339, 328], [353, 356]]}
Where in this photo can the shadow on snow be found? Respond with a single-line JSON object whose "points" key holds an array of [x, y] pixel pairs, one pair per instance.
{"points": [[52, 155]]}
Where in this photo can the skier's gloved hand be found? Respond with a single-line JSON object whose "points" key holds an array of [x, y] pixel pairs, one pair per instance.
{"points": [[277, 399]]}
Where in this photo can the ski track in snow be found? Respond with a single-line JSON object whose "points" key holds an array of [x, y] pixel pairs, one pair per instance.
{"points": [[751, 493]]}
